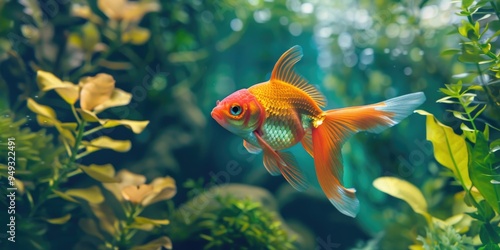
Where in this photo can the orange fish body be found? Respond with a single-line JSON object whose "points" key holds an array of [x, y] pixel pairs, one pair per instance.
{"points": [[277, 114]]}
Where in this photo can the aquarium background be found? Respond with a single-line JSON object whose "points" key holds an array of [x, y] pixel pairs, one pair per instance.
{"points": [[177, 58]]}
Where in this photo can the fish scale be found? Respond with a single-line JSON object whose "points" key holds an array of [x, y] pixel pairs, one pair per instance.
{"points": [[288, 113]]}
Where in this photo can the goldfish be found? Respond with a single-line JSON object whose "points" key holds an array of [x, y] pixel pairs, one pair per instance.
{"points": [[274, 115]]}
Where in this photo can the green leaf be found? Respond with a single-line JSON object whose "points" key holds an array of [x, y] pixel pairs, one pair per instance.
{"points": [[92, 195], [446, 99], [495, 146], [482, 172], [467, 3], [468, 132], [450, 149], [102, 173], [405, 191], [450, 52], [64, 196], [60, 220]]}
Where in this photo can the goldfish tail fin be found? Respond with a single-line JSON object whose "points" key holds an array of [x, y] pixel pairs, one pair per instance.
{"points": [[397, 109], [337, 126]]}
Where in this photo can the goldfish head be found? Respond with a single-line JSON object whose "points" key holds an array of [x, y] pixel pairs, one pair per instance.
{"points": [[240, 112]]}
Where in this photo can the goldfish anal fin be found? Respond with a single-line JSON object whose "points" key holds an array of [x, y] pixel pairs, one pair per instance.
{"points": [[251, 148], [327, 142], [284, 162], [283, 71], [307, 142]]}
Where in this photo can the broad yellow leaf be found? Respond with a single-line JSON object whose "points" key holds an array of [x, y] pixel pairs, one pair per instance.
{"points": [[450, 149], [42, 110], [156, 244], [92, 194], [88, 116], [405, 191], [136, 126], [105, 142], [102, 173], [67, 90], [60, 220], [95, 90], [118, 98]]}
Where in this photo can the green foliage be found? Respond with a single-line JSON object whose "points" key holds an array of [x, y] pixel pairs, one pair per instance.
{"points": [[243, 224], [447, 238], [470, 156]]}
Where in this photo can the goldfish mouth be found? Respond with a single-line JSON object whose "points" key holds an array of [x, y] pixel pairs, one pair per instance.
{"points": [[217, 116]]}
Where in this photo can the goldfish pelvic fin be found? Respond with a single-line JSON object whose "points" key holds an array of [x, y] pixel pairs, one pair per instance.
{"points": [[307, 142], [284, 162], [271, 164], [327, 142], [291, 172], [283, 71], [251, 148]]}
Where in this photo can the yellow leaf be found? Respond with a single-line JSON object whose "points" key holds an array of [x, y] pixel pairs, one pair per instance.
{"points": [[136, 36], [136, 126], [88, 116], [108, 143], [102, 173], [136, 194], [70, 93], [42, 110], [144, 220], [67, 90], [92, 194], [60, 220], [96, 90], [416, 247], [163, 189], [118, 98], [405, 191], [155, 244], [91, 36], [450, 149]]}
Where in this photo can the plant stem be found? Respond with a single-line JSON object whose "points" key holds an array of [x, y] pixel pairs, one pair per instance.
{"points": [[91, 131]]}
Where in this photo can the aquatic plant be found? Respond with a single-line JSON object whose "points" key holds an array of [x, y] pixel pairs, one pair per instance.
{"points": [[230, 217], [243, 224], [472, 157]]}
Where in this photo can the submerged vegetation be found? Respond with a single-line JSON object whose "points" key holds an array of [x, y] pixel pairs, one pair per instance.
{"points": [[106, 106]]}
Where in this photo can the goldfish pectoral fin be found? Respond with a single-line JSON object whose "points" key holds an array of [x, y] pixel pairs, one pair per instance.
{"points": [[327, 142], [291, 172], [271, 164], [284, 163], [307, 142], [251, 148]]}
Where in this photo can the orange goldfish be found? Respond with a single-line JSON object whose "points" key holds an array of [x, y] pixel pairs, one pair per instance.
{"points": [[277, 114]]}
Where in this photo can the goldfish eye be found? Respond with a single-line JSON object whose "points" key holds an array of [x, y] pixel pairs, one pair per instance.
{"points": [[235, 109]]}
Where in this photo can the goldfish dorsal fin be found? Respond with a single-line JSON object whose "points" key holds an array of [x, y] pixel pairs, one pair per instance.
{"points": [[283, 71]]}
